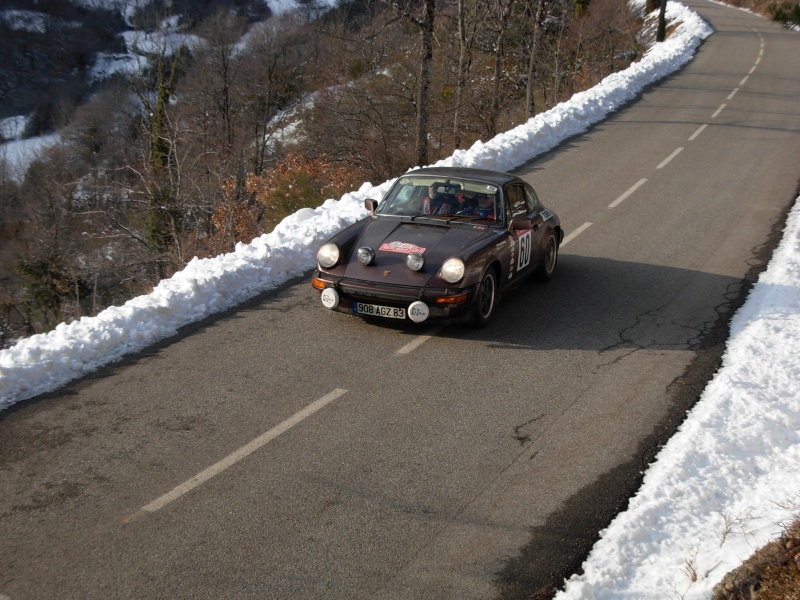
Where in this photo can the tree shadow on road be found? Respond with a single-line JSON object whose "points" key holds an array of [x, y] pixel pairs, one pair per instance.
{"points": [[599, 304]]}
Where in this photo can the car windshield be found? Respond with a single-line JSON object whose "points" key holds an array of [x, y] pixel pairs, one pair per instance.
{"points": [[444, 198]]}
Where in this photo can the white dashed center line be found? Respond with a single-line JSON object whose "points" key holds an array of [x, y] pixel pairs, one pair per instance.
{"points": [[719, 110], [241, 453], [698, 132], [419, 340], [632, 189], [575, 234], [666, 161]]}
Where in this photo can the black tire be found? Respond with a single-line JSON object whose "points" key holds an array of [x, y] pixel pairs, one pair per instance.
{"points": [[545, 271], [486, 299]]}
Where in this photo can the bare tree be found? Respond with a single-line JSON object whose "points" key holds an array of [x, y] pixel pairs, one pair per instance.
{"points": [[662, 22], [426, 26], [368, 124], [217, 68], [537, 7], [502, 10], [469, 19], [274, 67], [561, 29]]}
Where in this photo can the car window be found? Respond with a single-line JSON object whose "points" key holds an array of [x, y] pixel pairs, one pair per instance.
{"points": [[531, 199], [440, 197], [516, 201]]}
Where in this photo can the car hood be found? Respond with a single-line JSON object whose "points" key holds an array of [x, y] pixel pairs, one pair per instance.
{"points": [[393, 240]]}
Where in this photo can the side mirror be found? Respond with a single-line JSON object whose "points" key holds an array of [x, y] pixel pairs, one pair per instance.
{"points": [[521, 224], [371, 206]]}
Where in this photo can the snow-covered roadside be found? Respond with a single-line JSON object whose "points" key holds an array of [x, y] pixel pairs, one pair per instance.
{"points": [[44, 362], [711, 497], [724, 483]]}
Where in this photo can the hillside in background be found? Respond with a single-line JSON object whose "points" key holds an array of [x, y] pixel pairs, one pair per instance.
{"points": [[45, 55], [48, 48]]}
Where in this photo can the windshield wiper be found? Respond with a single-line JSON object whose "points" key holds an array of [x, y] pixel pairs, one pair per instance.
{"points": [[429, 218]]}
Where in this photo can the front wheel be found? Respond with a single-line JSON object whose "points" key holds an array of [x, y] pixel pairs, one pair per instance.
{"points": [[486, 300], [548, 266]]}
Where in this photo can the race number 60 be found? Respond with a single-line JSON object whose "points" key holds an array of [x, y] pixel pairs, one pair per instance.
{"points": [[524, 250]]}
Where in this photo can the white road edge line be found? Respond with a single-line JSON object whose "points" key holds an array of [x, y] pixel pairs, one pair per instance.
{"points": [[700, 129], [667, 160], [632, 189], [419, 340], [241, 453], [719, 110], [575, 234]]}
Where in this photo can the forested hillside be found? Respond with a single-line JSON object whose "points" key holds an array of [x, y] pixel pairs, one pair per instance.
{"points": [[226, 118]]}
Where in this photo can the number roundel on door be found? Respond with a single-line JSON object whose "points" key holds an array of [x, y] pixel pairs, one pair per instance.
{"points": [[524, 249]]}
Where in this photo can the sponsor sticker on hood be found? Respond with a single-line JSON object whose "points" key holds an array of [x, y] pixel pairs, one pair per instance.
{"points": [[401, 247]]}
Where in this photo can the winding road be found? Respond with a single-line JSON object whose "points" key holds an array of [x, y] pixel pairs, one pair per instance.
{"points": [[284, 451]]}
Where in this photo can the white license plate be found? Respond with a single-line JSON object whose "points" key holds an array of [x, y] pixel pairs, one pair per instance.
{"points": [[379, 311]]}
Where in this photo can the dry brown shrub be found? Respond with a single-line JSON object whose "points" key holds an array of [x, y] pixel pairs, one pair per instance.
{"points": [[260, 202]]}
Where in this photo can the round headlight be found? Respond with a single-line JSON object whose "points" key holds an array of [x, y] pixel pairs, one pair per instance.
{"points": [[366, 255], [328, 256], [415, 261], [453, 270]]}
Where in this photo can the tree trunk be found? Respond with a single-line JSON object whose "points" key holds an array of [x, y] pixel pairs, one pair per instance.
{"points": [[662, 22], [465, 41], [423, 113], [504, 7], [530, 108]]}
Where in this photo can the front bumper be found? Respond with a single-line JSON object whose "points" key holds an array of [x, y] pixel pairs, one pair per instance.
{"points": [[444, 304]]}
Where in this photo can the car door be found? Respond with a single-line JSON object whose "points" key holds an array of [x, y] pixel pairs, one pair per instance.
{"points": [[538, 217], [523, 236]]}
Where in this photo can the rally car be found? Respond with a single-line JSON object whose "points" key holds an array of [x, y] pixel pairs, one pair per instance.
{"points": [[443, 244]]}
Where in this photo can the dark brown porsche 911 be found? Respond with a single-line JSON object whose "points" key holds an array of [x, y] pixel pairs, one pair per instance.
{"points": [[444, 244]]}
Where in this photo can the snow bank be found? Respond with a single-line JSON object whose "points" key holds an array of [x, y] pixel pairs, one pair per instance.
{"points": [[718, 489]]}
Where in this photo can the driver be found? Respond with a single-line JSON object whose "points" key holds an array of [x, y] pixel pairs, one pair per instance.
{"points": [[465, 203], [485, 207]]}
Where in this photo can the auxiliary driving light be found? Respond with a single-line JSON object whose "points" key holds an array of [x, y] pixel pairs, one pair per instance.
{"points": [[418, 311], [415, 261], [365, 255], [330, 298]]}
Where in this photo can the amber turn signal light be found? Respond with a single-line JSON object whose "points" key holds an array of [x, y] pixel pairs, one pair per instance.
{"points": [[453, 299]]}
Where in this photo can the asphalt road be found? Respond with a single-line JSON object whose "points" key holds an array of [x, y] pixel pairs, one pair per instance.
{"points": [[283, 451]]}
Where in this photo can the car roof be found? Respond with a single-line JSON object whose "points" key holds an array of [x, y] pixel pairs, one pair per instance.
{"points": [[497, 178]]}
